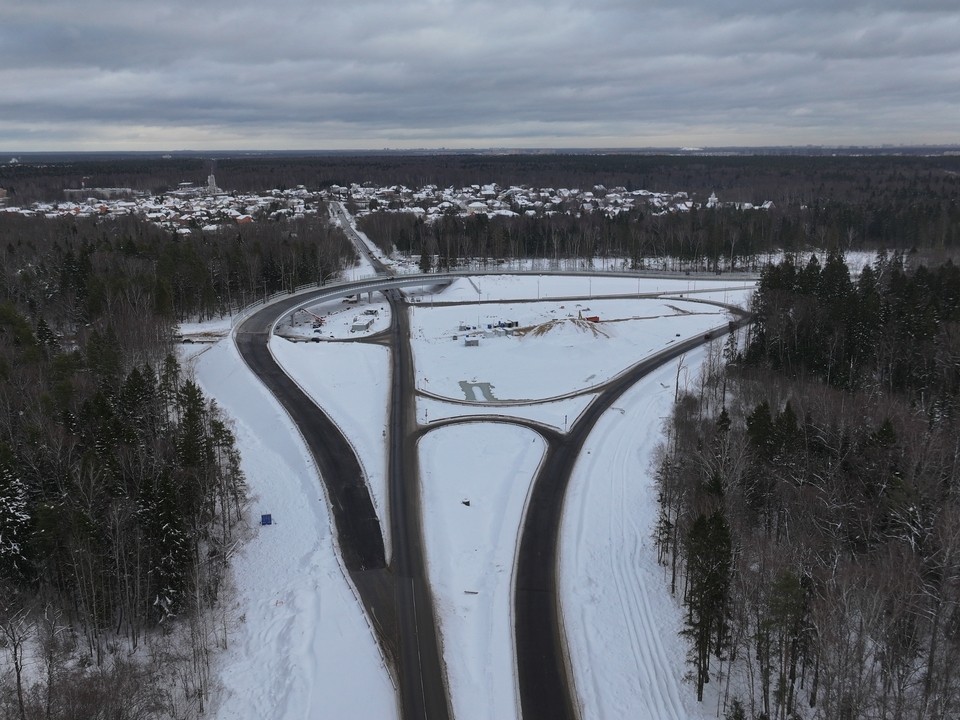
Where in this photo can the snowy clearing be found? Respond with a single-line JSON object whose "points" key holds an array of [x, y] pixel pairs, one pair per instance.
{"points": [[556, 350], [542, 287], [474, 480], [304, 648]]}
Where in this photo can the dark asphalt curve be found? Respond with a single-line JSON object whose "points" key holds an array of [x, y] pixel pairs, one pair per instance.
{"points": [[543, 677], [359, 534], [398, 598]]}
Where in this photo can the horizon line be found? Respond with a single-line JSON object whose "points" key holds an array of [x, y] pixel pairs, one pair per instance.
{"points": [[679, 149]]}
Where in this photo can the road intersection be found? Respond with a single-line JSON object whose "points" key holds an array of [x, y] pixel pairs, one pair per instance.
{"points": [[396, 594]]}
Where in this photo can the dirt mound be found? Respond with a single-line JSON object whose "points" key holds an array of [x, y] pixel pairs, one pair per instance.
{"points": [[563, 324]]}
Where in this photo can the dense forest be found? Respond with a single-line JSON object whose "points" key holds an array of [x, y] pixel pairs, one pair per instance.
{"points": [[809, 493], [120, 486], [68, 270]]}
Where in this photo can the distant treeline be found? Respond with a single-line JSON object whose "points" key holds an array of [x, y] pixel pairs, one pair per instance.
{"points": [[788, 180], [823, 202], [703, 238]]}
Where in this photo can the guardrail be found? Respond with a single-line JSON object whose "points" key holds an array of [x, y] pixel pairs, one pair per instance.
{"points": [[245, 311]]}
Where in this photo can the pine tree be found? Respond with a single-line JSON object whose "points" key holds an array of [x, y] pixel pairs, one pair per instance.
{"points": [[708, 583]]}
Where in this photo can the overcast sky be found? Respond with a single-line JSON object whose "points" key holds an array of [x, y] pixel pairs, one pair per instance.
{"points": [[370, 74]]}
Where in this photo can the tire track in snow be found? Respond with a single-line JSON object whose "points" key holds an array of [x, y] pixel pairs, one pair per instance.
{"points": [[627, 635], [645, 651], [644, 646]]}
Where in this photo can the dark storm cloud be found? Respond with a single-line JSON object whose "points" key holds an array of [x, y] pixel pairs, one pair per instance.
{"points": [[294, 74]]}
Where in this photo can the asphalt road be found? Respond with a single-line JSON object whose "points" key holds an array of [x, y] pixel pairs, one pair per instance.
{"points": [[423, 692], [398, 598], [358, 529], [419, 667], [359, 536]]}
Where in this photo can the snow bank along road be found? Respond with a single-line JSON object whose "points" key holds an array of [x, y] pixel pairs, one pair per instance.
{"points": [[402, 590], [390, 595], [358, 529]]}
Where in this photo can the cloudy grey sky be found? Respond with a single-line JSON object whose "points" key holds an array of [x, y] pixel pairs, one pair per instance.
{"points": [[369, 74]]}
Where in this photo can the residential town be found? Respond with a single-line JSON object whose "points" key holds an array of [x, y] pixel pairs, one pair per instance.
{"points": [[194, 208]]}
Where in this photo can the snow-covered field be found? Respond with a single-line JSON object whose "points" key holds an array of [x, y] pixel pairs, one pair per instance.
{"points": [[474, 481], [555, 351], [304, 649]]}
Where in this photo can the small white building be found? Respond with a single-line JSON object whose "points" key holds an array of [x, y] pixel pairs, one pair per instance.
{"points": [[362, 323]]}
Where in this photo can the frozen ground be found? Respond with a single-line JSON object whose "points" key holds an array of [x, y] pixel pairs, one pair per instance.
{"points": [[556, 351], [539, 287], [474, 480]]}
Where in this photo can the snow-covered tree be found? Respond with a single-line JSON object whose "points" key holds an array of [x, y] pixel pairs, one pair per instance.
{"points": [[14, 525]]}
